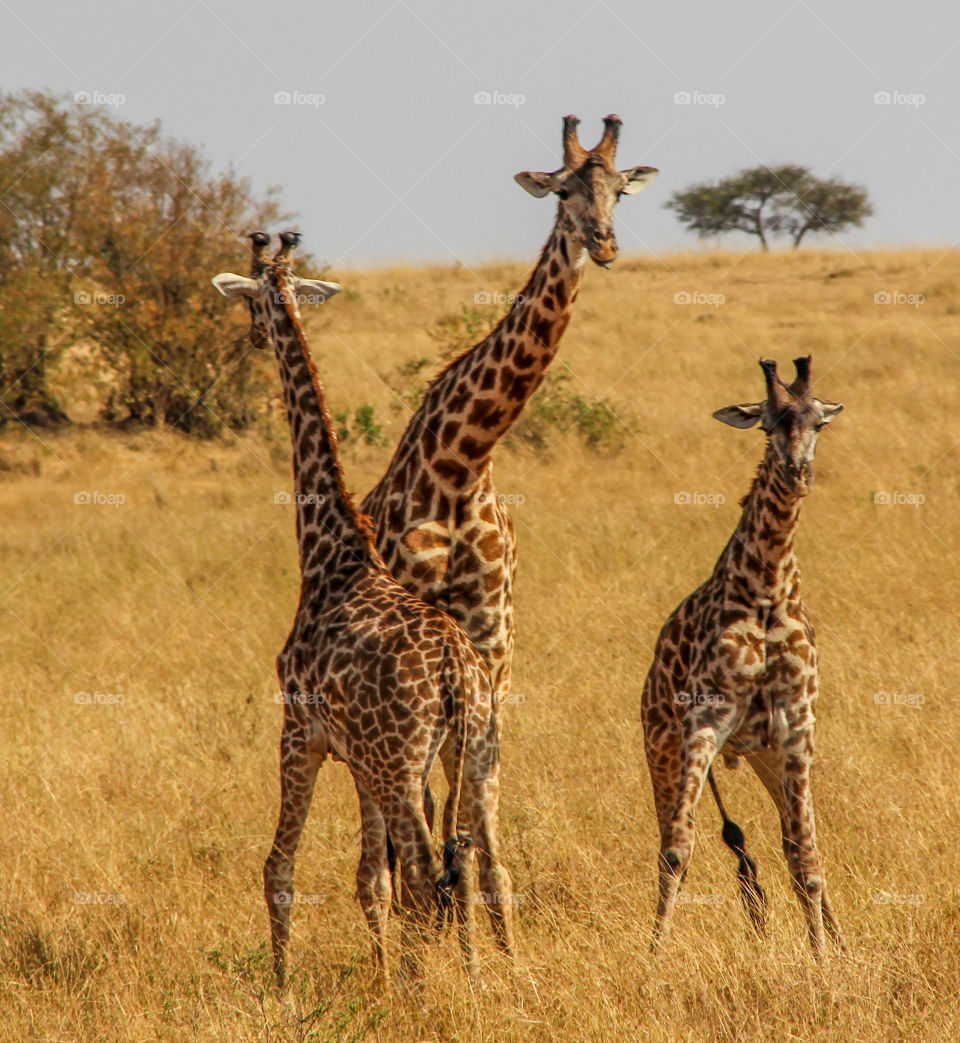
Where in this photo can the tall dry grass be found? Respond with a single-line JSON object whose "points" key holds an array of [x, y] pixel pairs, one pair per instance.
{"points": [[135, 818]]}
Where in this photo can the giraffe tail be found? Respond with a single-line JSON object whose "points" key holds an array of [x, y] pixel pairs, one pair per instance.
{"points": [[751, 893]]}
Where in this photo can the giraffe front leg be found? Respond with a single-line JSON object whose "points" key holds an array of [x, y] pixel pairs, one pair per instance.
{"points": [[800, 848], [677, 832], [465, 909], [300, 760], [786, 775], [480, 815], [831, 922], [465, 894], [374, 879]]}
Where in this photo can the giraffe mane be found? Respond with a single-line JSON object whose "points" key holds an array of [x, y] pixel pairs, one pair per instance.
{"points": [[362, 522], [756, 477]]}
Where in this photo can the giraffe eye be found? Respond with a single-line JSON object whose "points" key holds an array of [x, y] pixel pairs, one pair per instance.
{"points": [[563, 193]]}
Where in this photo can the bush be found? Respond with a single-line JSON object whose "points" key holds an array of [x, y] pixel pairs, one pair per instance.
{"points": [[555, 410]]}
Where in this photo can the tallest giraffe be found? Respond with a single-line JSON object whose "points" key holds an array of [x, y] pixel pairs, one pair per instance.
{"points": [[440, 525]]}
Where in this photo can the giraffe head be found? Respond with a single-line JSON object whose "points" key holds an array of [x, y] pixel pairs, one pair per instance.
{"points": [[792, 419], [271, 283], [588, 186]]}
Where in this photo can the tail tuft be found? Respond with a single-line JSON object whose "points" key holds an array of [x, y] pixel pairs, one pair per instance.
{"points": [[452, 872], [392, 865], [448, 881], [751, 893]]}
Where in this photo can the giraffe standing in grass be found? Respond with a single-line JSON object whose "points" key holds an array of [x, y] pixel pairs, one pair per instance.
{"points": [[440, 524], [371, 675], [735, 669]]}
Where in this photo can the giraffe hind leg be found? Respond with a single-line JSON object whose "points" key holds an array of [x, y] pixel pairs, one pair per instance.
{"points": [[420, 872], [428, 809]]}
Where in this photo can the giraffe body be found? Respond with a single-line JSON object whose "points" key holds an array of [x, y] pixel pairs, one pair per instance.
{"points": [[373, 676], [735, 667]]}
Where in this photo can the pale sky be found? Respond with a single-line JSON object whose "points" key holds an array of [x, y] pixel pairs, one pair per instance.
{"points": [[383, 150]]}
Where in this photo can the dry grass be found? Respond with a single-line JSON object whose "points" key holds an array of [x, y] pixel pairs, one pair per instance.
{"points": [[161, 808]]}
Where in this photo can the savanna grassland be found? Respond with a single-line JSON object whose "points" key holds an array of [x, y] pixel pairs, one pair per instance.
{"points": [[140, 729]]}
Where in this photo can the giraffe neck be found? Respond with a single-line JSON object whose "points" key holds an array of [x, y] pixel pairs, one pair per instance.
{"points": [[335, 540], [761, 551], [474, 401]]}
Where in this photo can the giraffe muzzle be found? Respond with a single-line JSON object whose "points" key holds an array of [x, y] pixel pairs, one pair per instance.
{"points": [[601, 244], [800, 477], [603, 251]]}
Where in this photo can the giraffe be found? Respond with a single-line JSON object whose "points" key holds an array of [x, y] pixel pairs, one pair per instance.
{"points": [[372, 676], [440, 525], [735, 670]]}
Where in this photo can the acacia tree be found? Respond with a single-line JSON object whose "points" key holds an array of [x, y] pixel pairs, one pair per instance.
{"points": [[770, 201]]}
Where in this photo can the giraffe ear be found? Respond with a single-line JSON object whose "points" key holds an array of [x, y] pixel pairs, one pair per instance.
{"points": [[829, 409], [316, 291], [636, 179], [740, 416], [234, 286], [536, 183]]}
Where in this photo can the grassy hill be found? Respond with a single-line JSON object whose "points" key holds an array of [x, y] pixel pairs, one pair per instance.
{"points": [[140, 732]]}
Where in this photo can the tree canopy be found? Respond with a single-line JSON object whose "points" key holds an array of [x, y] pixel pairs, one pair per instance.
{"points": [[771, 201], [109, 233]]}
